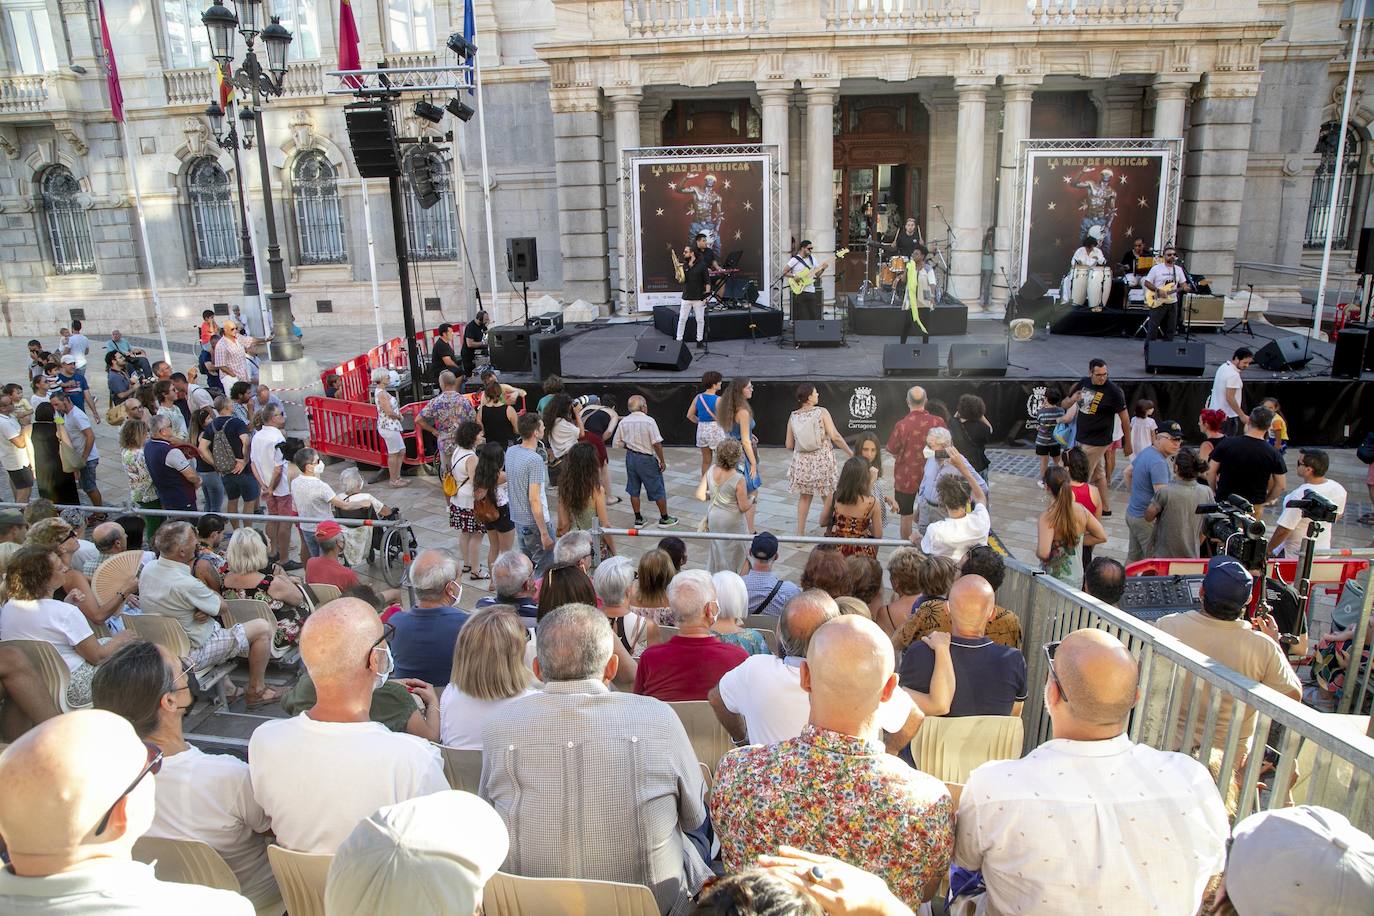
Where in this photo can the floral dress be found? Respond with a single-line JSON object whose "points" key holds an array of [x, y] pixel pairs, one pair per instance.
{"points": [[853, 526], [750, 641], [812, 469], [290, 617]]}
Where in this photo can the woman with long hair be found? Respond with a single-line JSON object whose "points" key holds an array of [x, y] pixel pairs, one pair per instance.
{"points": [[562, 425], [467, 438], [73, 587], [702, 413], [1211, 423], [53, 482], [852, 511], [810, 434], [1063, 528], [133, 434], [389, 424], [1084, 493], [489, 485], [582, 501], [971, 431], [650, 598], [727, 503], [496, 415], [736, 418], [564, 585], [211, 483], [488, 674]]}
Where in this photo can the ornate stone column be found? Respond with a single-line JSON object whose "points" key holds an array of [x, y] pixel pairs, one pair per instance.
{"points": [[1171, 105], [1016, 114], [581, 194], [625, 108], [775, 99], [819, 225], [966, 257]]}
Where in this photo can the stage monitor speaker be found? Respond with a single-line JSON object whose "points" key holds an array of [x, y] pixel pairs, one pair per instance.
{"points": [[977, 360], [1364, 259], [915, 359], [510, 348], [671, 355], [546, 356], [373, 140], [1283, 354], [817, 333], [1175, 357], [1352, 344], [1031, 290], [522, 260]]}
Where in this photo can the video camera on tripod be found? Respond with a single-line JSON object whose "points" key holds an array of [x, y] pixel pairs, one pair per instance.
{"points": [[1232, 527]]}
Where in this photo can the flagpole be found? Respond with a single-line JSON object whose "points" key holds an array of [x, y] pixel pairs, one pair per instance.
{"points": [[460, 206], [1336, 172], [486, 179], [143, 237], [372, 265], [264, 307]]}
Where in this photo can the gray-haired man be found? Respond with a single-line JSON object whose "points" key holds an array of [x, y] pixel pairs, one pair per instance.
{"points": [[425, 634]]}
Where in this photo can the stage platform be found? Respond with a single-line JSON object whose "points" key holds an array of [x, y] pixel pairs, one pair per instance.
{"points": [[722, 324], [875, 317], [597, 358]]}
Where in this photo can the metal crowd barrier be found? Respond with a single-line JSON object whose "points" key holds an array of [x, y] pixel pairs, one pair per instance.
{"points": [[723, 536], [195, 516]]}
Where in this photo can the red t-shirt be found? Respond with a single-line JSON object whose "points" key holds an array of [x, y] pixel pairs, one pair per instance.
{"points": [[685, 667], [328, 571], [906, 445]]}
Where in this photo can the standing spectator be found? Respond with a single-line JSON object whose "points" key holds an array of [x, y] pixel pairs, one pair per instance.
{"points": [[1151, 473], [961, 529], [810, 434], [598, 424], [53, 483], [231, 353], [1124, 804], [1246, 465], [939, 463], [424, 636], [312, 496], [117, 377], [727, 497], [389, 425], [241, 396], [70, 827], [1084, 493], [269, 467], [261, 396], [77, 429], [444, 413], [133, 436], [582, 501], [39, 384], [227, 430], [474, 342], [488, 674], [688, 666], [164, 405], [768, 594], [1291, 526], [582, 758], [562, 424], [702, 414], [870, 449], [318, 774], [1143, 425], [14, 451], [1048, 415], [1063, 529], [1211, 423], [198, 396], [644, 460], [512, 581], [211, 481], [1226, 390], [1105, 580], [1278, 430], [207, 326], [463, 468], [75, 386], [907, 446], [1173, 510], [172, 473], [489, 484], [441, 356], [497, 416], [851, 511], [527, 478], [735, 415], [972, 431], [1101, 405], [832, 789]]}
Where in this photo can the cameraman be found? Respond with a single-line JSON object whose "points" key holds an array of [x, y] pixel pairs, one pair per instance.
{"points": [[1292, 524], [1247, 465]]}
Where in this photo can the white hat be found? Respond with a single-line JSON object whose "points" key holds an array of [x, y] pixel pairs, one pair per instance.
{"points": [[1096, 232], [1300, 860], [69, 358], [429, 855]]}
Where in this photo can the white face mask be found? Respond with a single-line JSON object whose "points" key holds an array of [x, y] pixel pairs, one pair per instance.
{"points": [[385, 670], [319, 468]]}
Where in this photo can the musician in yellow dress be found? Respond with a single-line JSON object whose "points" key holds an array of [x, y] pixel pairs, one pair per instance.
{"points": [[920, 292]]}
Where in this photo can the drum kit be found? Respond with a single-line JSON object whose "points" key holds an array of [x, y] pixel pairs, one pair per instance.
{"points": [[891, 273]]}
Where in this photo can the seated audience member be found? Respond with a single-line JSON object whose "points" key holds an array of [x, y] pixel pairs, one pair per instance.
{"points": [[393, 704], [326, 568], [489, 674], [989, 679], [960, 529], [425, 635], [13, 528], [313, 497], [1173, 510], [86, 551], [690, 664], [907, 569], [512, 579], [676, 548], [320, 773], [244, 578], [732, 601], [203, 797], [767, 593], [650, 599], [1105, 580], [756, 892], [561, 767], [209, 566], [762, 699], [24, 695], [1136, 814], [56, 535], [832, 886], [70, 827], [826, 570], [563, 585], [1302, 859], [932, 614], [408, 858], [866, 582], [575, 549], [613, 581], [832, 790], [1220, 631]]}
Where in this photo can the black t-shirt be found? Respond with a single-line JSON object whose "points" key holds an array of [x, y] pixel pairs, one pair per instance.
{"points": [[1097, 414], [473, 335], [441, 349], [696, 280], [233, 428], [971, 439], [1244, 465]]}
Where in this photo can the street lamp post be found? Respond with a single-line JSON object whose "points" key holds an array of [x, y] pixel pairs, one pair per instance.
{"points": [[250, 77], [230, 141]]}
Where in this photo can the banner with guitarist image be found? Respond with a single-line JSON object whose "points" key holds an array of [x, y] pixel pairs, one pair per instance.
{"points": [[673, 198]]}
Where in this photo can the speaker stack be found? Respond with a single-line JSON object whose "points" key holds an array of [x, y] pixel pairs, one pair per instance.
{"points": [[373, 139], [1283, 354], [522, 260], [1175, 357], [668, 355], [977, 360], [916, 360], [812, 333]]}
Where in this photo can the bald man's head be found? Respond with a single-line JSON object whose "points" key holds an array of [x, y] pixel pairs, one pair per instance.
{"points": [[971, 603], [60, 778], [107, 536], [1099, 675], [848, 664], [336, 641], [801, 617]]}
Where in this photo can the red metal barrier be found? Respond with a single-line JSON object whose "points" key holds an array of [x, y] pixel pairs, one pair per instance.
{"points": [[1329, 573], [351, 380], [348, 429]]}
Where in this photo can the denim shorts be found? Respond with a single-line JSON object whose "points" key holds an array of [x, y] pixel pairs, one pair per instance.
{"points": [[88, 481], [241, 486], [643, 470]]}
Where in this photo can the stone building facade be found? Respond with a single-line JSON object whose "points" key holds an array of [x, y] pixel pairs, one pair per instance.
{"points": [[920, 103]]}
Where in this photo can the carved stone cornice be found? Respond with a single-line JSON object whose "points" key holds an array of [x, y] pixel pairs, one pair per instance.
{"points": [[74, 134], [574, 100]]}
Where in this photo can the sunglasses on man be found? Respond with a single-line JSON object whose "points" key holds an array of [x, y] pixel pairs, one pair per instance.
{"points": [[154, 766]]}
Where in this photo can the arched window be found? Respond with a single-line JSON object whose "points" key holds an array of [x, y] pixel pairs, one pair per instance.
{"points": [[213, 221], [319, 221], [1319, 204], [69, 230], [430, 234]]}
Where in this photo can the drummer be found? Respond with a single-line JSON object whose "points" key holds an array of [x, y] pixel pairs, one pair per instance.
{"points": [[907, 238], [1088, 254]]}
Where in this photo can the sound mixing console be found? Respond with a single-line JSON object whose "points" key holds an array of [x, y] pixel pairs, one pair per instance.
{"points": [[1149, 598]]}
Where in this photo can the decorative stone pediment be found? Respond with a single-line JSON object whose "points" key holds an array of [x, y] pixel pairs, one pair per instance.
{"points": [[197, 135]]}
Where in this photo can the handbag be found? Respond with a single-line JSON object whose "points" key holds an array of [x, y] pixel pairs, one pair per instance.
{"points": [[484, 508], [71, 458], [115, 416], [1066, 434]]}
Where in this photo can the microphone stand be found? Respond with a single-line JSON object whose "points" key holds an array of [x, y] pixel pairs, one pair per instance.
{"points": [[1013, 308], [950, 241], [782, 297], [1244, 320]]}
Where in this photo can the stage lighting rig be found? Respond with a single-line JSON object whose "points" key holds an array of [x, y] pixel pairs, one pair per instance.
{"points": [[461, 46], [460, 110], [429, 111]]}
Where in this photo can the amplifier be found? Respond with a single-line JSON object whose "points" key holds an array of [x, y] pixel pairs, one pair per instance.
{"points": [[1203, 311], [549, 323], [1149, 598]]}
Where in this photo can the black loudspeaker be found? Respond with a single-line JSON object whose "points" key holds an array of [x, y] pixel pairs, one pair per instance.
{"points": [[671, 355], [1031, 290], [915, 359], [1282, 354], [546, 355], [1352, 344], [1364, 259], [1176, 357], [373, 140], [977, 360], [522, 260], [510, 348], [817, 333]]}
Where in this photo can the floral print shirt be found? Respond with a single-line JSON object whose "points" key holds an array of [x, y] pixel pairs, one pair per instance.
{"points": [[836, 795], [140, 482], [447, 411], [907, 445]]}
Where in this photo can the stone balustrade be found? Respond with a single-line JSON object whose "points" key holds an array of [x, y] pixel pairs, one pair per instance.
{"points": [[867, 15], [193, 86], [23, 94], [1103, 12], [681, 18]]}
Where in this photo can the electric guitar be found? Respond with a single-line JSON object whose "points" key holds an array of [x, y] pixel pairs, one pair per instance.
{"points": [[1164, 295], [799, 282]]}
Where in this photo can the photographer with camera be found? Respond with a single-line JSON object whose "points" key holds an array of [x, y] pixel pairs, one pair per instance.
{"points": [[1247, 466], [1292, 524]]}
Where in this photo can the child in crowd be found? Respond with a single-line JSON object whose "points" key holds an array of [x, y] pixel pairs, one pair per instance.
{"points": [[1142, 432], [1278, 430], [1050, 415]]}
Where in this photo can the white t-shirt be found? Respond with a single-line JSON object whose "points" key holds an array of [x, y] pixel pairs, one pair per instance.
{"points": [[766, 691], [1162, 273], [209, 797], [11, 456], [198, 396], [311, 496], [1297, 525], [317, 780], [79, 345], [462, 717], [1085, 257], [262, 452], [76, 422], [110, 886], [47, 620], [954, 537], [1227, 377]]}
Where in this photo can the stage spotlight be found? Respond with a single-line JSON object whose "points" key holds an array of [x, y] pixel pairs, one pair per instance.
{"points": [[429, 111], [461, 46], [422, 181], [459, 110]]}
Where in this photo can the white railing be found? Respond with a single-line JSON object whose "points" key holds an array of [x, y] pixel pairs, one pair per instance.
{"points": [[867, 15], [679, 18], [1103, 12], [192, 85], [20, 94]]}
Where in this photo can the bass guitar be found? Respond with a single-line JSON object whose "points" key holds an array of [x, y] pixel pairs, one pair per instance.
{"points": [[1164, 295], [799, 282]]}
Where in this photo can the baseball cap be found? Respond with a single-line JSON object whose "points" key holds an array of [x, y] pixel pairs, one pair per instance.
{"points": [[328, 529], [428, 855], [1304, 859], [1169, 428], [1227, 581], [764, 546], [69, 359]]}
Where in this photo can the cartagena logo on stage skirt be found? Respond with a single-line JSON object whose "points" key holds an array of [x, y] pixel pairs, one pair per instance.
{"points": [[863, 409]]}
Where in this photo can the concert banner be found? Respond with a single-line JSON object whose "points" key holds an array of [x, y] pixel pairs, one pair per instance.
{"points": [[675, 197], [1116, 193]]}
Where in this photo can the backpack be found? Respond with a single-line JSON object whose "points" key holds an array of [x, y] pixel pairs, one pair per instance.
{"points": [[222, 451], [1366, 450]]}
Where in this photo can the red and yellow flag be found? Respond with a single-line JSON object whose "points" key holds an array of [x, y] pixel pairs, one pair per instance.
{"points": [[224, 85]]}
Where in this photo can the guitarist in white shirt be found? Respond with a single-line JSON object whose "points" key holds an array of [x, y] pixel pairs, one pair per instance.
{"points": [[806, 305], [1167, 281]]}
